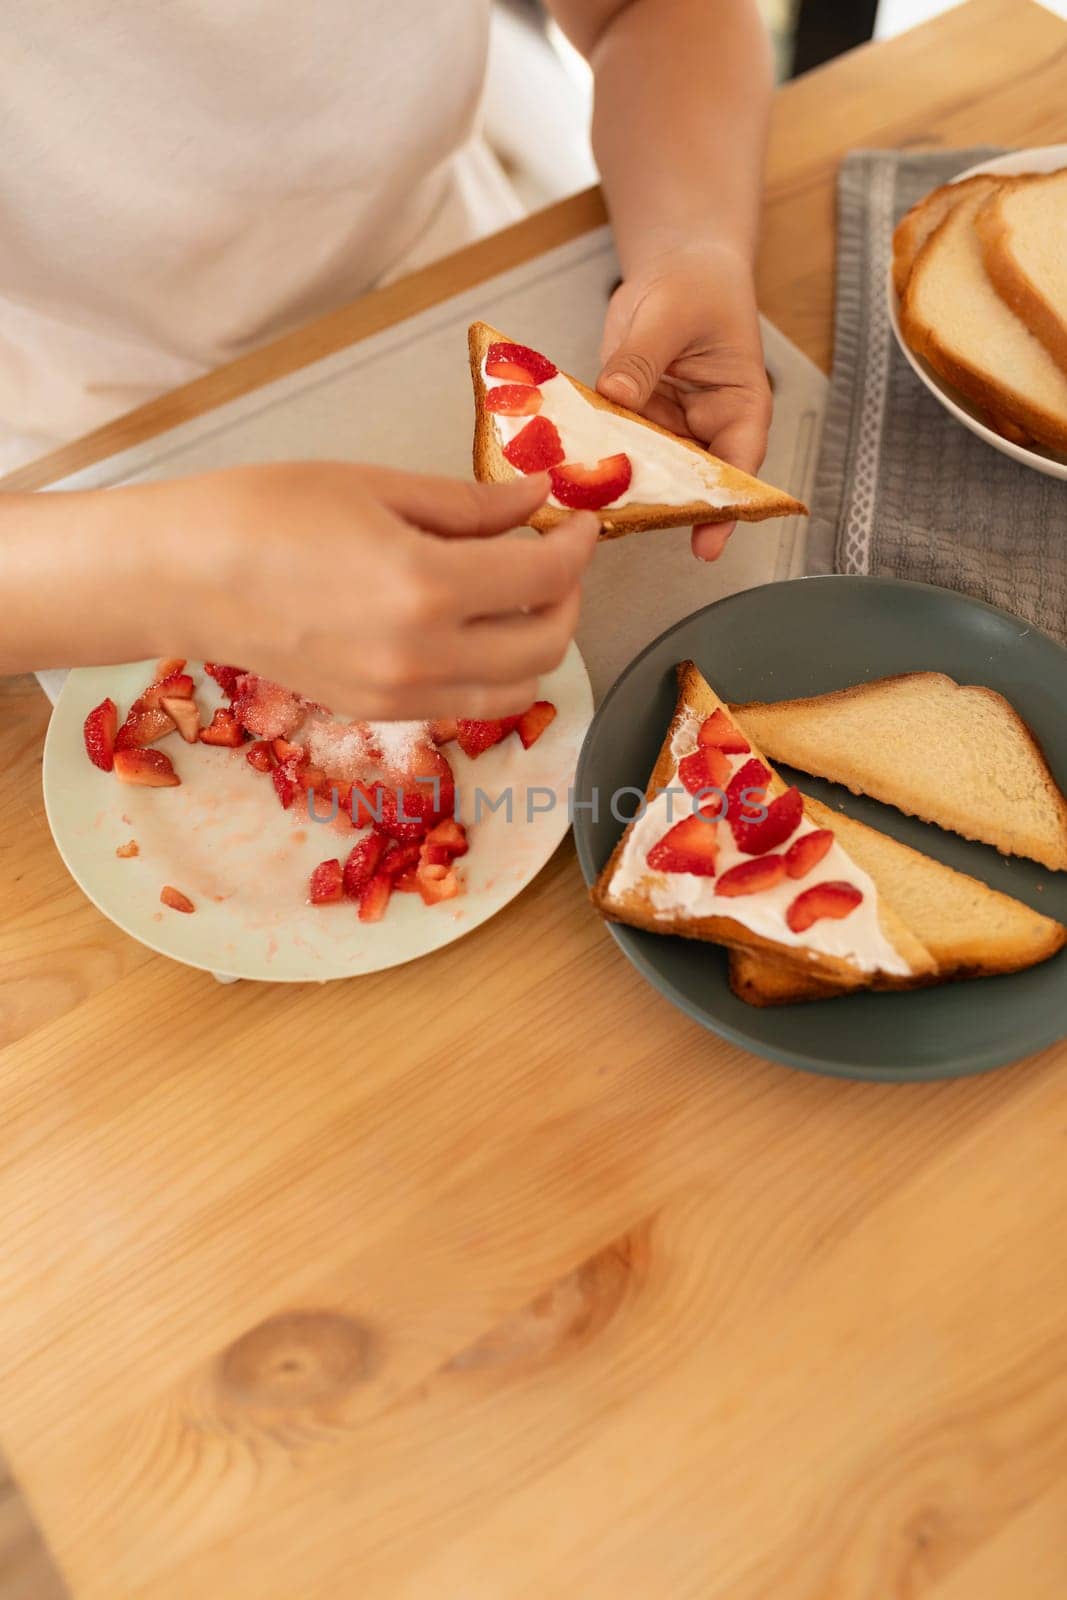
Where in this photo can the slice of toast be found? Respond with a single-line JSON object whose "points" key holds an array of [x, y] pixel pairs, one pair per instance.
{"points": [[877, 944], [972, 931], [1023, 230], [927, 214], [952, 316], [957, 755], [721, 493]]}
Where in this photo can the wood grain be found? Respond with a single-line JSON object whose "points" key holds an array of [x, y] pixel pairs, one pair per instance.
{"points": [[495, 1277]]}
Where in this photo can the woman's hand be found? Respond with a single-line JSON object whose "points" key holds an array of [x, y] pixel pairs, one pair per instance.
{"points": [[381, 594], [682, 346]]}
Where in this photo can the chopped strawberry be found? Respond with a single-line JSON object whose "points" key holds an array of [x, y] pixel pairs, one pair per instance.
{"points": [[365, 804], [406, 883], [807, 851], [362, 863], [225, 677], [517, 363], [835, 900], [450, 835], [99, 731], [185, 715], [168, 667], [417, 808], [435, 887], [175, 899], [536, 447], [284, 751], [400, 858], [266, 709], [126, 851], [143, 725], [176, 686], [444, 729], [286, 779], [692, 845], [534, 720], [589, 488], [374, 897], [224, 729], [261, 756], [474, 737], [151, 769], [514, 400], [750, 877], [747, 791], [784, 816], [706, 768], [719, 731], [326, 883]]}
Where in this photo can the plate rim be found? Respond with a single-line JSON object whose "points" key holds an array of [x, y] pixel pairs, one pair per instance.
{"points": [[1048, 465], [969, 1065]]}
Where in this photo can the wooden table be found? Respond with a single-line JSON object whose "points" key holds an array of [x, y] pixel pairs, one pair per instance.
{"points": [[495, 1277]]}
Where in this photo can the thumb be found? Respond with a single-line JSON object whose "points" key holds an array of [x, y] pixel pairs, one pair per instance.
{"points": [[644, 353], [453, 508]]}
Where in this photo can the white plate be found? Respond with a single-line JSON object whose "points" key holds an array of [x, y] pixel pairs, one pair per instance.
{"points": [[223, 839], [1046, 159]]}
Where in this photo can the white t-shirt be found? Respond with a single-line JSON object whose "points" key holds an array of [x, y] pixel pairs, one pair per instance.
{"points": [[181, 180]]}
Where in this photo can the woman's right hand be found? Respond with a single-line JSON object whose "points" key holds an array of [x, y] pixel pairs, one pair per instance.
{"points": [[381, 594]]}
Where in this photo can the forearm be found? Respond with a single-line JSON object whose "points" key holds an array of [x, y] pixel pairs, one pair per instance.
{"points": [[682, 93], [80, 583]]}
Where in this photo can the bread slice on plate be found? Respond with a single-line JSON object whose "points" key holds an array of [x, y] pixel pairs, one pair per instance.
{"points": [[1023, 230], [972, 931], [751, 869], [953, 317], [957, 755], [529, 416], [913, 229]]}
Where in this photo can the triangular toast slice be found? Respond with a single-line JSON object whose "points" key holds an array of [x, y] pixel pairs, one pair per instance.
{"points": [[971, 931], [633, 473], [1023, 229], [957, 755], [780, 884]]}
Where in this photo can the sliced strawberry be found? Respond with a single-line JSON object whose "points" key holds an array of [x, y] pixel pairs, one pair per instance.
{"points": [[719, 731], [224, 729], [436, 886], [449, 835], [444, 729], [362, 863], [692, 845], [400, 858], [284, 751], [749, 877], [126, 851], [149, 768], [514, 400], [176, 686], [534, 720], [536, 447], [143, 725], [517, 363], [167, 667], [746, 793], [174, 898], [589, 488], [185, 715], [326, 883], [406, 883], [286, 779], [417, 808], [784, 816], [266, 709], [225, 677], [100, 726], [807, 851], [374, 897], [474, 737], [261, 756], [706, 768], [365, 804], [835, 900]]}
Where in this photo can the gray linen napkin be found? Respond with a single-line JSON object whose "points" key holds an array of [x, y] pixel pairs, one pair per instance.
{"points": [[902, 489]]}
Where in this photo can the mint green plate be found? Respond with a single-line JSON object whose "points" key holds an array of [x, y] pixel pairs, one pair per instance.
{"points": [[805, 637]]}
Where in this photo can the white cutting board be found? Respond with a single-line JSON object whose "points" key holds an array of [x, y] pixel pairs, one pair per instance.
{"points": [[358, 404]]}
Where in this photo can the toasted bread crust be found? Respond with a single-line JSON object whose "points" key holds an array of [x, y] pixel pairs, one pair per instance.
{"points": [[634, 908], [855, 779], [1018, 291], [491, 466]]}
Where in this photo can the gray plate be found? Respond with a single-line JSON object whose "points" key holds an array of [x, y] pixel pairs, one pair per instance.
{"points": [[806, 637]]}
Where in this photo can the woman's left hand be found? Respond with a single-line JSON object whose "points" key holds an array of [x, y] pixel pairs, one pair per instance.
{"points": [[682, 346]]}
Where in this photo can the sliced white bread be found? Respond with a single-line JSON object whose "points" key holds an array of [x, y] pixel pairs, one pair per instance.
{"points": [[913, 229], [957, 755], [723, 493], [953, 317], [1023, 229], [630, 891], [971, 930]]}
